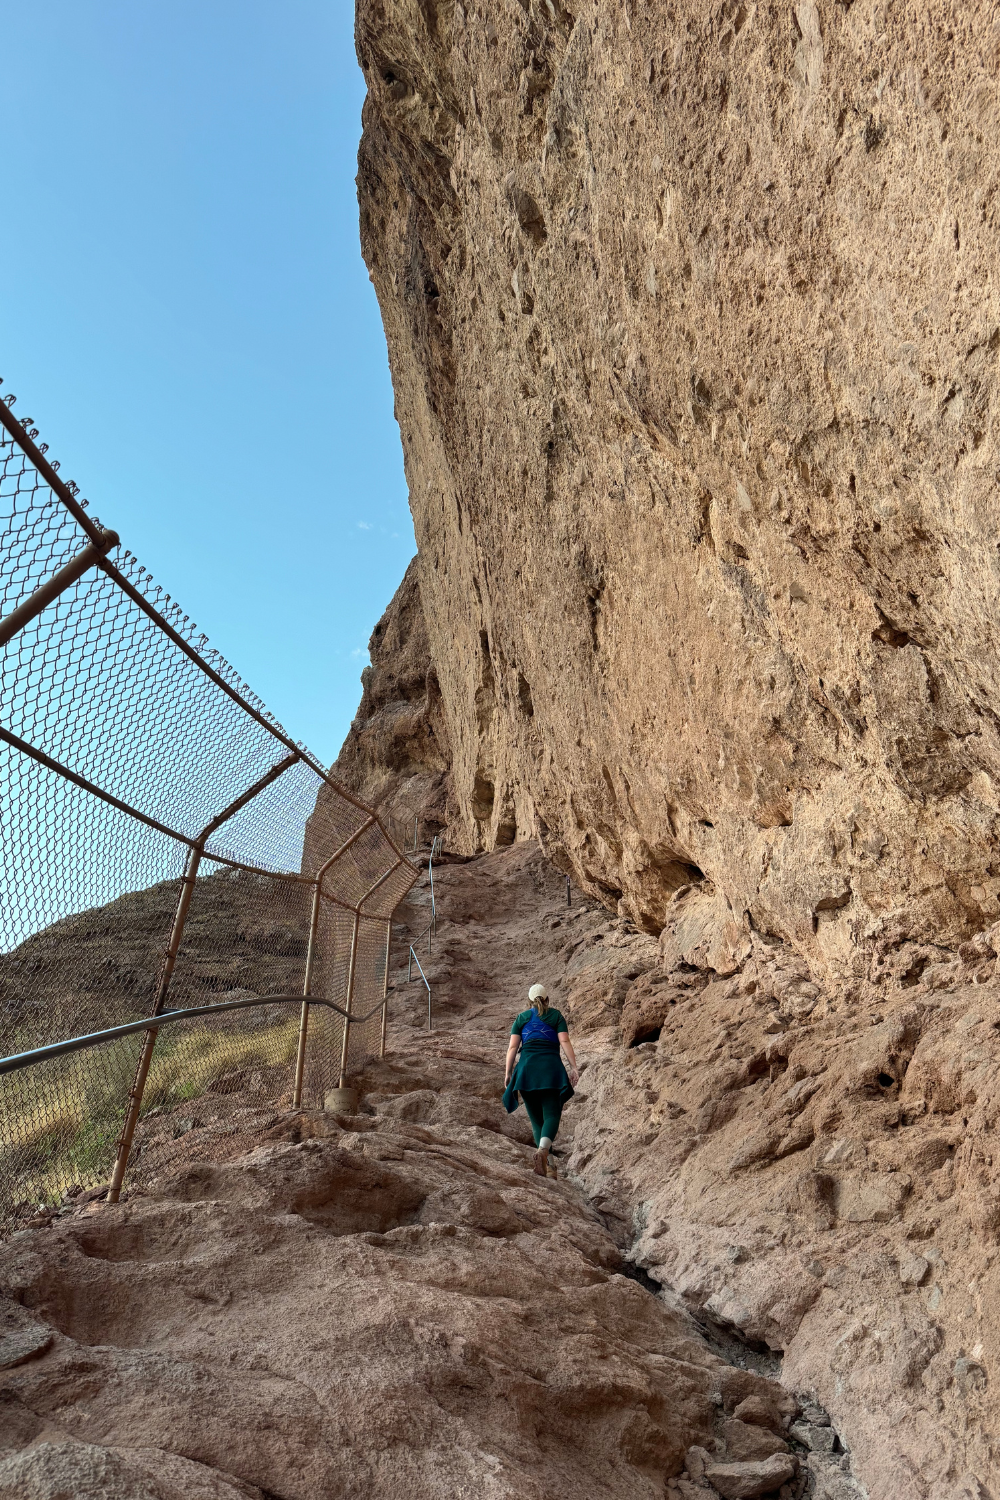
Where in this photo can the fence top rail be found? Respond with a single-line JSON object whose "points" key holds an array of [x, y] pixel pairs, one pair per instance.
{"points": [[196, 843], [37, 1055], [22, 438]]}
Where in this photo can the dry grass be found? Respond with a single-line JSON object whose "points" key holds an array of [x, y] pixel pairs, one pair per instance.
{"points": [[60, 1121]]}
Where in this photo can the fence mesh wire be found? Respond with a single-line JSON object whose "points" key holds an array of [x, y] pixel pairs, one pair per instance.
{"points": [[112, 684]]}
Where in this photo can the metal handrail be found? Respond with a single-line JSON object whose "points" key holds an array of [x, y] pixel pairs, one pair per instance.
{"points": [[153, 1023], [430, 931], [413, 959]]}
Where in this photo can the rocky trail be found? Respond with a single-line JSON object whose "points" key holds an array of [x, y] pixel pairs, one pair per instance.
{"points": [[390, 1302], [765, 1269]]}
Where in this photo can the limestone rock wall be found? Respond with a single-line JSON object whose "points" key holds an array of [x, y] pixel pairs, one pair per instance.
{"points": [[693, 323]]}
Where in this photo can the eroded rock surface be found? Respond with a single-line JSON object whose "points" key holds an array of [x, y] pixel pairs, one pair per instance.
{"points": [[397, 756], [392, 1299], [810, 1168], [807, 1167], [391, 1303], [693, 323]]}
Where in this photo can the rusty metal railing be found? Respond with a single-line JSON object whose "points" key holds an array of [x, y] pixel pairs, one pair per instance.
{"points": [[195, 1012], [411, 960], [166, 842], [430, 932]]}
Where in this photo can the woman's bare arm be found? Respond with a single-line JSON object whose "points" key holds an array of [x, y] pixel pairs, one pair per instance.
{"points": [[567, 1047], [513, 1047]]}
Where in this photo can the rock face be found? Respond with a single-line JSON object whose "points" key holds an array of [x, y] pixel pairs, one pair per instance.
{"points": [[812, 1173], [693, 325], [397, 755]]}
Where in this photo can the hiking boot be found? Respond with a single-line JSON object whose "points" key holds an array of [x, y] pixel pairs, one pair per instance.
{"points": [[551, 1170], [541, 1163]]}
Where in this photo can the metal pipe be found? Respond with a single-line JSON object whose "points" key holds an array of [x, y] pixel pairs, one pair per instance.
{"points": [[344, 848], [20, 1060], [569, 893], [350, 995], [373, 888], [354, 939], [239, 864], [344, 905], [300, 1056], [142, 1071], [415, 959], [279, 734], [43, 596], [88, 786], [385, 985], [260, 785], [310, 952]]}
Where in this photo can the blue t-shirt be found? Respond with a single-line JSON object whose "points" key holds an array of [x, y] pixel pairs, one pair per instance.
{"points": [[552, 1019]]}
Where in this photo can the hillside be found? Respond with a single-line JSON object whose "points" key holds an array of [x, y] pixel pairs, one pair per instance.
{"points": [[101, 966]]}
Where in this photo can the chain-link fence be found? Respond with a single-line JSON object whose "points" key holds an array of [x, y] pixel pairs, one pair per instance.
{"points": [[167, 848]]}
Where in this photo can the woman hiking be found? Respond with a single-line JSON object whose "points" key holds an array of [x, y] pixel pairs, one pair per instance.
{"points": [[538, 1074]]}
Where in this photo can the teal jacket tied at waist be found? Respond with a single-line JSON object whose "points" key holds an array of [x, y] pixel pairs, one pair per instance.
{"points": [[539, 1064]]}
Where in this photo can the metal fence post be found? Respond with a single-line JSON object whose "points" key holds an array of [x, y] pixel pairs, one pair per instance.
{"points": [[350, 994], [300, 1056], [146, 1057], [354, 961], [385, 985], [170, 959]]}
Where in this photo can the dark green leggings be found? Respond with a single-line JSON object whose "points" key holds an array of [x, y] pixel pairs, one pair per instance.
{"points": [[544, 1110]]}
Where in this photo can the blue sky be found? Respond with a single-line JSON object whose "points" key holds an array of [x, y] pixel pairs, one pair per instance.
{"points": [[185, 313]]}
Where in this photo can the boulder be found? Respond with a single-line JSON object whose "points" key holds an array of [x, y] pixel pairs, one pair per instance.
{"points": [[745, 1481]]}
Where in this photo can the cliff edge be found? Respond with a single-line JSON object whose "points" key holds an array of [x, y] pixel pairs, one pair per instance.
{"points": [[397, 754]]}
